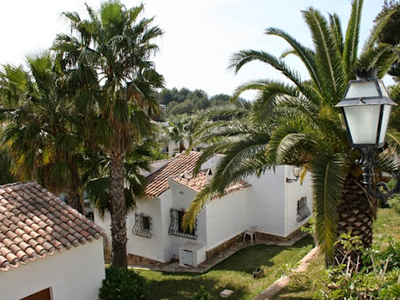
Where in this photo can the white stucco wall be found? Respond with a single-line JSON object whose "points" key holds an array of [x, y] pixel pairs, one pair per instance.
{"points": [[181, 197], [295, 191], [266, 200], [162, 246], [153, 247], [105, 223], [72, 274], [212, 162], [226, 217], [273, 201]]}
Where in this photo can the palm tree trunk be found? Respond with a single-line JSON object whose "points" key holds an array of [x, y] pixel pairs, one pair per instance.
{"points": [[74, 200], [118, 209], [74, 195], [181, 147], [355, 216]]}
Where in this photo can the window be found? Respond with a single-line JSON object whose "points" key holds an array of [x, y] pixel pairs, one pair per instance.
{"points": [[302, 209], [142, 226], [175, 228]]}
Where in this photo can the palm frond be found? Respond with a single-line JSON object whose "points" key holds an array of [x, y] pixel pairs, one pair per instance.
{"points": [[328, 179], [380, 57], [286, 142], [375, 31], [200, 200], [336, 31], [352, 37], [306, 55], [329, 60], [238, 60]]}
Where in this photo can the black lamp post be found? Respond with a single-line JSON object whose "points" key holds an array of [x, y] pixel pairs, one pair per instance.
{"points": [[366, 107]]}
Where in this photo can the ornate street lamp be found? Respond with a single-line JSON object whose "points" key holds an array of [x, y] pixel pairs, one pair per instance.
{"points": [[366, 107]]}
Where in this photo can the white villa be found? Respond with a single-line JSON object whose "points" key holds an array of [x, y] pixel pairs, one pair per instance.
{"points": [[47, 249], [273, 206]]}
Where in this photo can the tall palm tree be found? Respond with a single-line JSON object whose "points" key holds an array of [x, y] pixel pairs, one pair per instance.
{"points": [[39, 126], [108, 57], [97, 183], [297, 123]]}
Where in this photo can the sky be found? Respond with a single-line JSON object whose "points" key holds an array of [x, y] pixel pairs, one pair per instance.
{"points": [[199, 36]]}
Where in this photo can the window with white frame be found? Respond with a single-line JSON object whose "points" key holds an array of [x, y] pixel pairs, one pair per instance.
{"points": [[175, 228], [303, 212], [142, 226]]}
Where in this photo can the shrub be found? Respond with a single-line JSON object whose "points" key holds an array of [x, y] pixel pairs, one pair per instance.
{"points": [[378, 279], [394, 202], [202, 294], [123, 284]]}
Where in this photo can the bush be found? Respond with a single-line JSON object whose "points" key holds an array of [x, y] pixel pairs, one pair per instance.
{"points": [[394, 202], [378, 279], [202, 294], [123, 284]]}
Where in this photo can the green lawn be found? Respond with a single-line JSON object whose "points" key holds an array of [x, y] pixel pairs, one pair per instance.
{"points": [[234, 273], [388, 222]]}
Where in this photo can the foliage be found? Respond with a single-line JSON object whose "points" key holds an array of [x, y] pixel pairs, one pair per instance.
{"points": [[97, 176], [41, 126], [295, 122], [187, 102], [5, 166], [378, 279], [123, 284], [180, 130], [394, 202], [390, 33], [107, 58], [202, 294], [388, 223]]}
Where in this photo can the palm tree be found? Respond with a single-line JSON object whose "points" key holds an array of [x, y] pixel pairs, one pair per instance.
{"points": [[97, 183], [39, 126], [108, 57], [180, 131], [297, 123]]}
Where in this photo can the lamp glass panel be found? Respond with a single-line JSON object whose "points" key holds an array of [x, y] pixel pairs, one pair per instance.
{"points": [[362, 90], [363, 123], [385, 121], [383, 89]]}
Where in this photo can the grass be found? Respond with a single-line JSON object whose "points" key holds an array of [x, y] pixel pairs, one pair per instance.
{"points": [[388, 222], [234, 273]]}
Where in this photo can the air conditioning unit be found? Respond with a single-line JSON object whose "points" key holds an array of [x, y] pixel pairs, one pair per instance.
{"points": [[192, 254]]}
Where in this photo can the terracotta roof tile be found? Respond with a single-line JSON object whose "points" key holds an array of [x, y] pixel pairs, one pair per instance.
{"points": [[200, 181], [34, 223], [157, 183]]}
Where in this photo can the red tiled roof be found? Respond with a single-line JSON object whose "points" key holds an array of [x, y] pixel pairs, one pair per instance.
{"points": [[157, 183], [35, 223], [200, 181]]}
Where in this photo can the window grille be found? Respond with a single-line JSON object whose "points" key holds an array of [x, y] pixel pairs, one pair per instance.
{"points": [[175, 228], [142, 226], [303, 212]]}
